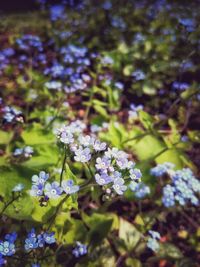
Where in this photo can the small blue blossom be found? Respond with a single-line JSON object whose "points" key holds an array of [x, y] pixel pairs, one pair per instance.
{"points": [[49, 238], [103, 178], [79, 250], [41, 178], [82, 154], [102, 163], [118, 186], [168, 198], [139, 75], [69, 187], [18, 188], [140, 189], [153, 244], [53, 190], [7, 248], [54, 85], [31, 243], [135, 174], [37, 190], [161, 169], [154, 234]]}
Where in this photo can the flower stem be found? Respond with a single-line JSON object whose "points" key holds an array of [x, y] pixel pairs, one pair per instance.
{"points": [[63, 165]]}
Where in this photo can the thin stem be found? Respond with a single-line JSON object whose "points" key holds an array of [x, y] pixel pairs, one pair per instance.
{"points": [[134, 138], [63, 165], [8, 204], [89, 105], [90, 170], [53, 217]]}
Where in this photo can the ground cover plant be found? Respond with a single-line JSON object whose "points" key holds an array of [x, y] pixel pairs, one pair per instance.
{"points": [[99, 136]]}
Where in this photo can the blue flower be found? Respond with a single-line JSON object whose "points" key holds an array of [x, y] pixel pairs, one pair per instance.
{"points": [[7, 248], [37, 190], [31, 243], [183, 188], [35, 265], [118, 186], [82, 155], [18, 188], [69, 187], [79, 250], [153, 244], [140, 189], [161, 169], [55, 85], [135, 174], [11, 237], [139, 75], [102, 163], [53, 190], [168, 198], [49, 238], [154, 234], [103, 178], [41, 179]]}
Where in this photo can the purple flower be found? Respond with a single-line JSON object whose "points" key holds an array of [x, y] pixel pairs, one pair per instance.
{"points": [[66, 138], [102, 163], [103, 178], [82, 155], [135, 174], [98, 146]]}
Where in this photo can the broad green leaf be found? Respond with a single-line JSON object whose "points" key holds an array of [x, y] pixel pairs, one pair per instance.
{"points": [[36, 135], [129, 234], [170, 250], [5, 137]]}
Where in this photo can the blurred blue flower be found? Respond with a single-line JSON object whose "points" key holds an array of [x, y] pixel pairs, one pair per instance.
{"points": [[79, 250], [69, 187]]}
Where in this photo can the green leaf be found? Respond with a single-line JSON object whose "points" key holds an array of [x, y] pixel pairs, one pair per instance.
{"points": [[146, 119], [102, 111], [147, 147], [169, 250], [100, 225], [36, 135], [133, 263], [129, 234], [5, 137]]}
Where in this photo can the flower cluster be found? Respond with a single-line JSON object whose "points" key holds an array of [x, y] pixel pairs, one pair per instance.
{"points": [[183, 187], [153, 243], [34, 241], [79, 250], [11, 114], [25, 152], [40, 187], [161, 169], [140, 189], [112, 166], [28, 41]]}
